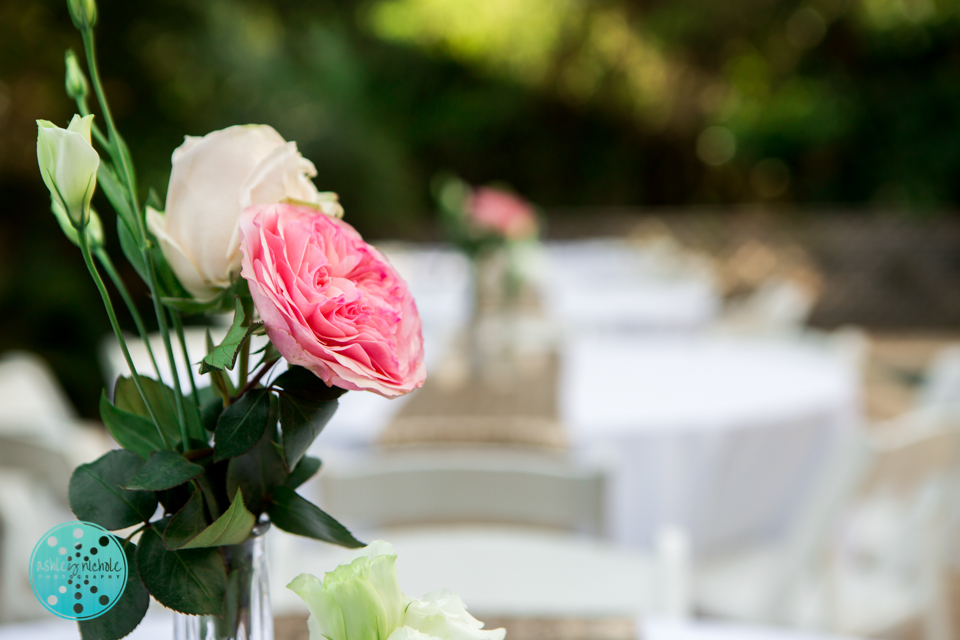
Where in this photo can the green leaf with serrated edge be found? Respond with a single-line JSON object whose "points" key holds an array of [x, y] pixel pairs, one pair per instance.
{"points": [[294, 514], [187, 523], [305, 384], [233, 527], [224, 355], [127, 398], [97, 495], [123, 617], [258, 471], [241, 424], [131, 432], [191, 581], [163, 470], [301, 421], [174, 499], [305, 469]]}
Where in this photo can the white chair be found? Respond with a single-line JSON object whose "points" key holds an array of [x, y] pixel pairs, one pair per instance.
{"points": [[867, 556], [941, 388], [504, 528]]}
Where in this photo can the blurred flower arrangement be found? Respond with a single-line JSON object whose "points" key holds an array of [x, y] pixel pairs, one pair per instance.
{"points": [[243, 230], [499, 231], [361, 600]]}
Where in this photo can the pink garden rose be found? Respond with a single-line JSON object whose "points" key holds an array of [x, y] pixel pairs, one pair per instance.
{"points": [[329, 301], [502, 213]]}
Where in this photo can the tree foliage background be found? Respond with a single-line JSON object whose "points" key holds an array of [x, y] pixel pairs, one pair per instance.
{"points": [[576, 103]]}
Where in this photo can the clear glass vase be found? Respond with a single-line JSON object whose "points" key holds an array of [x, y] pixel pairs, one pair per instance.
{"points": [[247, 612]]}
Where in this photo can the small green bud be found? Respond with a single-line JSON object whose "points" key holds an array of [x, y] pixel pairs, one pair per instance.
{"points": [[76, 83], [83, 13]]}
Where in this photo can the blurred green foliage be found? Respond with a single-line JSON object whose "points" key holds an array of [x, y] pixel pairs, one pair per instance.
{"points": [[573, 102]]}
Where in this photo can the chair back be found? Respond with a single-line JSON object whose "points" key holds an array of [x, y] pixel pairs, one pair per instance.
{"points": [[941, 388], [440, 485]]}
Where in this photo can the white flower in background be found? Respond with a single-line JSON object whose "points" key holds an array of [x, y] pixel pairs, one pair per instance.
{"points": [[442, 614], [213, 179], [68, 164], [356, 601]]}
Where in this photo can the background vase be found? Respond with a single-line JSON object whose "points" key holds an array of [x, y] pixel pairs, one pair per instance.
{"points": [[248, 615]]}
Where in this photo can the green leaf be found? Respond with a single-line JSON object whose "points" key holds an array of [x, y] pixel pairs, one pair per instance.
{"points": [[211, 406], [301, 421], [163, 470], [97, 495], [131, 431], [123, 617], [131, 250], [233, 527], [258, 471], [305, 384], [187, 523], [153, 199], [224, 355], [292, 513], [127, 398], [241, 424], [305, 469], [117, 195], [191, 581]]}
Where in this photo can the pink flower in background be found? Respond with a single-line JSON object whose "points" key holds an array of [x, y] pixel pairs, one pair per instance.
{"points": [[502, 213], [331, 302]]}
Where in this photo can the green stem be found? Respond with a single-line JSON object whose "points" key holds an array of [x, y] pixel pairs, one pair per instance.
{"points": [[107, 265], [92, 268], [119, 154], [178, 327]]}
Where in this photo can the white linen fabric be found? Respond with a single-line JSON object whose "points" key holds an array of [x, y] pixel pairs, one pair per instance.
{"points": [[658, 629], [608, 284], [721, 437]]}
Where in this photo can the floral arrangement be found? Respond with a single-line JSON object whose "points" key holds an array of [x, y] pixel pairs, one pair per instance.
{"points": [[479, 219], [245, 230], [361, 600]]}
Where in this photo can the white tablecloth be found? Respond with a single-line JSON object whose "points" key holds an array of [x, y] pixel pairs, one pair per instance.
{"points": [[722, 437], [607, 284]]}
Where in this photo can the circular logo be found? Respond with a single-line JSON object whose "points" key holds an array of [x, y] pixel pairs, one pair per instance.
{"points": [[78, 570]]}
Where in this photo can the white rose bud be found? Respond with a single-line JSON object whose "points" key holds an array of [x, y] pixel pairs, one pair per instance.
{"points": [[212, 180], [68, 164]]}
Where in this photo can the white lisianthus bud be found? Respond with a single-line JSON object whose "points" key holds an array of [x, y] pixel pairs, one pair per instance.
{"points": [[83, 13], [356, 601], [441, 614], [68, 164], [93, 230], [76, 81], [212, 180]]}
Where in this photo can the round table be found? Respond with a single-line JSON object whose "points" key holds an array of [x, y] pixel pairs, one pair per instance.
{"points": [[719, 436]]}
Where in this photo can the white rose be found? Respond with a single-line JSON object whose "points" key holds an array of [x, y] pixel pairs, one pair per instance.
{"points": [[68, 164], [441, 614], [213, 179]]}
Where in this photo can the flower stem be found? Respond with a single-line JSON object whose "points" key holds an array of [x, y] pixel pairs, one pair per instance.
{"points": [[92, 268], [118, 151], [178, 327], [107, 265]]}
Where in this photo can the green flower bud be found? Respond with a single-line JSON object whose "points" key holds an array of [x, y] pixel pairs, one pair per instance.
{"points": [[93, 230], [68, 165], [83, 13], [76, 82], [356, 601]]}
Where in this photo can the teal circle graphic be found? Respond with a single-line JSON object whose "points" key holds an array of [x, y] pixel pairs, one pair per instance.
{"points": [[78, 570]]}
